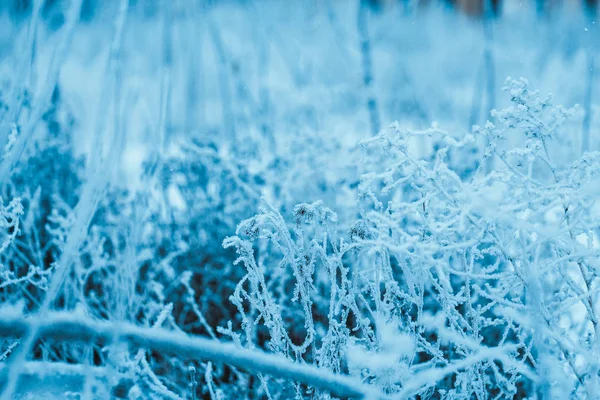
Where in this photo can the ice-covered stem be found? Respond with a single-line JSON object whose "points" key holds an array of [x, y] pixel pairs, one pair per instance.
{"points": [[73, 327], [165, 84], [111, 90], [490, 66], [487, 71], [23, 77], [193, 383], [488, 54], [367, 65], [193, 100], [587, 101], [224, 81]]}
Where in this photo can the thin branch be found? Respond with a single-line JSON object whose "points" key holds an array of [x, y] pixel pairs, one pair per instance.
{"points": [[67, 327]]}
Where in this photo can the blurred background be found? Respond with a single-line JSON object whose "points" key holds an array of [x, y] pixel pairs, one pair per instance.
{"points": [[344, 69]]}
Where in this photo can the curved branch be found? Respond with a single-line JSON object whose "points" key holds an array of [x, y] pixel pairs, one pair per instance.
{"points": [[64, 326]]}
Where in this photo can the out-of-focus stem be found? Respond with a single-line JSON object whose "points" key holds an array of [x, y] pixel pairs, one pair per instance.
{"points": [[367, 66], [587, 103], [83, 213]]}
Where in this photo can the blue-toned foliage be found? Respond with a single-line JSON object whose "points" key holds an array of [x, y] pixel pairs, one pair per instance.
{"points": [[211, 199]]}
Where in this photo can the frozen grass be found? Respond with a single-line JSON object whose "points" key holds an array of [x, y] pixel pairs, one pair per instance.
{"points": [[425, 257]]}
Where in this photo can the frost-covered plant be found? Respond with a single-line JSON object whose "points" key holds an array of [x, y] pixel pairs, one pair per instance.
{"points": [[453, 283], [45, 187], [9, 224], [299, 300]]}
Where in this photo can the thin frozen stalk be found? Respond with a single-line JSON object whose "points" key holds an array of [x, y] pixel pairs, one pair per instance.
{"points": [[367, 66], [11, 158], [83, 213], [23, 78], [587, 102]]}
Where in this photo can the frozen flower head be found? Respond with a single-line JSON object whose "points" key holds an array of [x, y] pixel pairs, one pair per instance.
{"points": [[315, 212]]}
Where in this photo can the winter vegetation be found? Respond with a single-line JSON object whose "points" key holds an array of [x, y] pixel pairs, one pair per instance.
{"points": [[315, 199]]}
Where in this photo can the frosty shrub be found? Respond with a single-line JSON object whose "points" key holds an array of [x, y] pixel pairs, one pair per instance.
{"points": [[430, 265], [453, 283]]}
